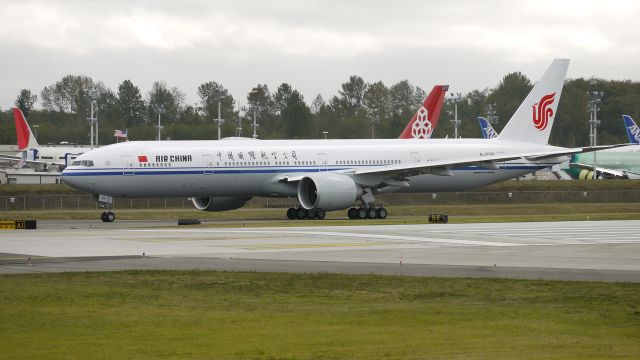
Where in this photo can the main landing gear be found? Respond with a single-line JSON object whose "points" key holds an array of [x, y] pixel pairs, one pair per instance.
{"points": [[302, 213], [371, 212]]}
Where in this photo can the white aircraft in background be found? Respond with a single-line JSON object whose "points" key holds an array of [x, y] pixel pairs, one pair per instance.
{"points": [[620, 163], [325, 174], [43, 158]]}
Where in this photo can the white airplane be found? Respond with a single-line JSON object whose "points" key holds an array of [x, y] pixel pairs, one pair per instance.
{"points": [[42, 157], [325, 174]]}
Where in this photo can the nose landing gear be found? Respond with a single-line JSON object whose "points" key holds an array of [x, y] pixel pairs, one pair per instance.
{"points": [[106, 202], [108, 216]]}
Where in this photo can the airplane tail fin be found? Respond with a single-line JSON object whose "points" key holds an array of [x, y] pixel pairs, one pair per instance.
{"points": [[26, 140], [425, 120], [488, 132], [533, 120], [632, 129]]}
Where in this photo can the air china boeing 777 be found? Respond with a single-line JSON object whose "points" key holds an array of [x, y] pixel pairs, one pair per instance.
{"points": [[325, 174]]}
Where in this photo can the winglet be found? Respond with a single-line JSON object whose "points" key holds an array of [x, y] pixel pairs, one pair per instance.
{"points": [[23, 132], [488, 132], [632, 129], [533, 120], [425, 120]]}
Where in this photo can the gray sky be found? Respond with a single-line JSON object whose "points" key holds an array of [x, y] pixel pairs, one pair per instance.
{"points": [[313, 45]]}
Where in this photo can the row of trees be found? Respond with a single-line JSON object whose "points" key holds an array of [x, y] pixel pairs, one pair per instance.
{"points": [[66, 104]]}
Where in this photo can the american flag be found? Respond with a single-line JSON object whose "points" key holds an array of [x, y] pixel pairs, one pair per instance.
{"points": [[120, 134]]}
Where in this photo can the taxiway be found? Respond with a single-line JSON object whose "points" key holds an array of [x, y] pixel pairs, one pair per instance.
{"points": [[599, 250]]}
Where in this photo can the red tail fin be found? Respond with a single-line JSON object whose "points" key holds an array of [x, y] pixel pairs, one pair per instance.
{"points": [[425, 120], [22, 129]]}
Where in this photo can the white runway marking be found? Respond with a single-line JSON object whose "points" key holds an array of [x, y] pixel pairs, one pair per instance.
{"points": [[346, 234]]}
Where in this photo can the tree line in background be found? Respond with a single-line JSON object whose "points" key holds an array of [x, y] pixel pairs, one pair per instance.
{"points": [[284, 114]]}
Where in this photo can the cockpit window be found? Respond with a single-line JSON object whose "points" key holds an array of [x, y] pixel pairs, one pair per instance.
{"points": [[87, 163]]}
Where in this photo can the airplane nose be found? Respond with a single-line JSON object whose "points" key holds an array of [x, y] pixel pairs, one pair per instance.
{"points": [[66, 178]]}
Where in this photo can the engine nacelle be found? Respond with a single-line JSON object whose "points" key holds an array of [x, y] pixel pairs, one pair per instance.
{"points": [[586, 175], [219, 203], [327, 191]]}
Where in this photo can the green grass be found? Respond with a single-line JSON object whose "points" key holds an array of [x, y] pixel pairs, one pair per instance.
{"points": [[218, 315], [408, 214]]}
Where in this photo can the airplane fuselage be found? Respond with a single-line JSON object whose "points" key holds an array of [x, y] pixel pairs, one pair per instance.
{"points": [[257, 167]]}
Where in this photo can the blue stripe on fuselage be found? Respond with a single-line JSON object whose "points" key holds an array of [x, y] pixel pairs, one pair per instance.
{"points": [[240, 170]]}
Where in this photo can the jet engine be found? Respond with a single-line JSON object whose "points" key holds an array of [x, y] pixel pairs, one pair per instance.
{"points": [[219, 203], [327, 191], [585, 175]]}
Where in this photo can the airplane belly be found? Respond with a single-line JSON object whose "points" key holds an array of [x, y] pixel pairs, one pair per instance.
{"points": [[178, 185]]}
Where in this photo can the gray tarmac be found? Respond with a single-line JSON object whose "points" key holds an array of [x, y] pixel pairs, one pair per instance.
{"points": [[591, 251]]}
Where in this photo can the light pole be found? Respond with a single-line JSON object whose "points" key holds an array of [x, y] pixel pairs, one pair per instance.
{"points": [[218, 96], [256, 106], [35, 128], [492, 114], [159, 109], [93, 122], [373, 120], [325, 134], [594, 99], [593, 102], [456, 98]]}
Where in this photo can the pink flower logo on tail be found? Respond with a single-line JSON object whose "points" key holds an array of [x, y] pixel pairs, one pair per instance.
{"points": [[542, 112], [421, 128]]}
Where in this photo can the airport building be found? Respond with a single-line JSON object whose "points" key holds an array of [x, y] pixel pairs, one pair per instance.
{"points": [[10, 175]]}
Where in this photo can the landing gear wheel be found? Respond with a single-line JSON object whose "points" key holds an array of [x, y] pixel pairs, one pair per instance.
{"points": [[311, 214], [372, 213], [301, 213], [108, 216], [320, 214], [291, 213], [382, 213], [362, 213], [352, 213]]}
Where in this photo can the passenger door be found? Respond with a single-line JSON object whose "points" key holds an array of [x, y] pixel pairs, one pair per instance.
{"points": [[127, 165], [207, 162], [322, 162]]}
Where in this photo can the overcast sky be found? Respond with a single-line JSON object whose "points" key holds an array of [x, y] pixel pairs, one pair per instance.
{"points": [[312, 45]]}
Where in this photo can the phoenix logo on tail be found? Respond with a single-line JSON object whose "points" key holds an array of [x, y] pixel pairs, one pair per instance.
{"points": [[633, 131], [542, 112]]}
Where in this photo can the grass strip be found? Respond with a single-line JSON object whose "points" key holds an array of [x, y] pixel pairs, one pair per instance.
{"points": [[240, 315]]}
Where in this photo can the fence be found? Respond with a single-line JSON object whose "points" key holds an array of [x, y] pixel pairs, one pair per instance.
{"points": [[80, 202]]}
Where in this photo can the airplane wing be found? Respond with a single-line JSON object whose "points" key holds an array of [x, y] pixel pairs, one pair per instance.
{"points": [[391, 173], [585, 149], [612, 173], [606, 172], [489, 162]]}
